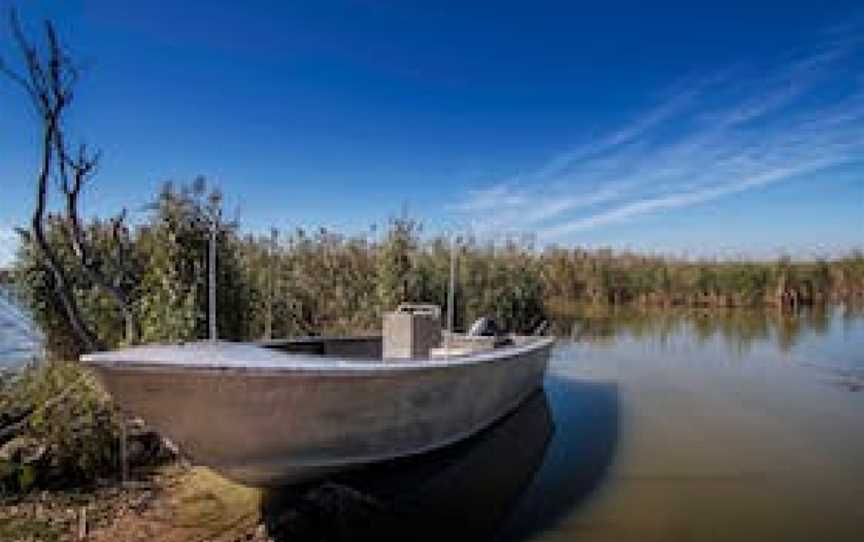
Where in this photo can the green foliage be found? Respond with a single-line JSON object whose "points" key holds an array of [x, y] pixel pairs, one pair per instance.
{"points": [[321, 282], [36, 287], [325, 283], [504, 283], [600, 277], [394, 262], [71, 432], [173, 246], [165, 269]]}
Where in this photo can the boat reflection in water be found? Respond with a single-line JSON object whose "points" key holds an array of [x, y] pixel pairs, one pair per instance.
{"points": [[466, 490]]}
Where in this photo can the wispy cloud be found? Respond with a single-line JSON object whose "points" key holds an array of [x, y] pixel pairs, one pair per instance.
{"points": [[715, 137]]}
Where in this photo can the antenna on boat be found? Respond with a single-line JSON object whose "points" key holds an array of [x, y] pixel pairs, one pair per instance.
{"points": [[271, 282], [211, 279], [451, 291]]}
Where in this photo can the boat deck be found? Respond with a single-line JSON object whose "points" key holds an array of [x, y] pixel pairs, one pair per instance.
{"points": [[304, 354]]}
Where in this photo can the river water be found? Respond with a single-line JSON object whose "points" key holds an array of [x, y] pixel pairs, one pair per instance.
{"points": [[663, 426], [703, 426], [20, 342]]}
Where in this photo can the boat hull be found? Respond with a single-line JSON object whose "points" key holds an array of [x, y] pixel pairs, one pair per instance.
{"points": [[274, 426]]}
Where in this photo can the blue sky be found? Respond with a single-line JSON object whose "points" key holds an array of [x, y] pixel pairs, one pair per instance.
{"points": [[727, 129]]}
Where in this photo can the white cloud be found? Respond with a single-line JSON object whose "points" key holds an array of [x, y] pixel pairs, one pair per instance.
{"points": [[623, 136], [681, 199], [716, 137]]}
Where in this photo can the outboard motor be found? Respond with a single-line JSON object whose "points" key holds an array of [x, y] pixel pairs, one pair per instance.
{"points": [[484, 327]]}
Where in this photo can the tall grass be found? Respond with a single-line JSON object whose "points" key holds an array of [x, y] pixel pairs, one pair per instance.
{"points": [[321, 282], [603, 277]]}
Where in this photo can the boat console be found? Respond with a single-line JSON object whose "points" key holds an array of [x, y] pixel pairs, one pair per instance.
{"points": [[413, 331]]}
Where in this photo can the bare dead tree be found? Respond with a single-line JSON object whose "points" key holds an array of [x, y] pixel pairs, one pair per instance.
{"points": [[49, 80], [74, 172]]}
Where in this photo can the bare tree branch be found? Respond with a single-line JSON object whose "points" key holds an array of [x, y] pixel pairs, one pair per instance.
{"points": [[61, 282], [82, 167], [49, 83]]}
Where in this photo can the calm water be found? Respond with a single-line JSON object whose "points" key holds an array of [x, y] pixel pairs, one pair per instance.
{"points": [[687, 426], [19, 340], [735, 426]]}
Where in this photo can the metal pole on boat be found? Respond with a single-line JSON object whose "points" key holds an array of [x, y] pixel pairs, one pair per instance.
{"points": [[211, 282], [271, 270], [451, 293]]}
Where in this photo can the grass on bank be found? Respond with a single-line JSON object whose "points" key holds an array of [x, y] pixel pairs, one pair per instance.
{"points": [[59, 429], [63, 461]]}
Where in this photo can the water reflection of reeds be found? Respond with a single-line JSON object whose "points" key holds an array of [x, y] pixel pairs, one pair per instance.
{"points": [[739, 329]]}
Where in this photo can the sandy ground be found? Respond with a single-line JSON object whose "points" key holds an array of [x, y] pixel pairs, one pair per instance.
{"points": [[197, 506], [175, 504]]}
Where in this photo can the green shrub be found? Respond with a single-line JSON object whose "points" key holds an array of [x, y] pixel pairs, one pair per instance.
{"points": [[71, 435]]}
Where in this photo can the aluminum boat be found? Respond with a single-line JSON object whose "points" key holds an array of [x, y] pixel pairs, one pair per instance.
{"points": [[280, 412]]}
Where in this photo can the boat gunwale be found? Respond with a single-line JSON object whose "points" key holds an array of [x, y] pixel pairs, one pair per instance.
{"points": [[307, 364]]}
